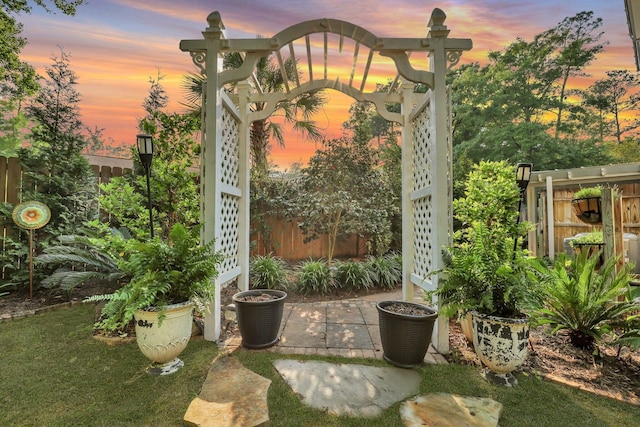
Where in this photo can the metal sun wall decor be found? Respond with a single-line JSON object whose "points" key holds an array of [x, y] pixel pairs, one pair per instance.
{"points": [[31, 215]]}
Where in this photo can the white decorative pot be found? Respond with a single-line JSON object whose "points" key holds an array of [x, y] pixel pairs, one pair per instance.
{"points": [[501, 344], [162, 342], [466, 325]]}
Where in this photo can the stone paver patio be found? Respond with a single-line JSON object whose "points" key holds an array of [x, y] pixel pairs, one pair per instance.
{"points": [[347, 328]]}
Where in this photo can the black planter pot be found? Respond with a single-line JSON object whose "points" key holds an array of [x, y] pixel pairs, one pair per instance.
{"points": [[259, 321], [405, 338]]}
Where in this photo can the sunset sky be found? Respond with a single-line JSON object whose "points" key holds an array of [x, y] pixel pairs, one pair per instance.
{"points": [[116, 46]]}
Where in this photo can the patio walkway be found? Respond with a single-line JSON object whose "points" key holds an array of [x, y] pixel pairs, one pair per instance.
{"points": [[347, 328]]}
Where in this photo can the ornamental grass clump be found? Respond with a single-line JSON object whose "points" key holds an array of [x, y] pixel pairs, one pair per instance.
{"points": [[268, 272], [352, 275], [386, 270], [315, 277]]}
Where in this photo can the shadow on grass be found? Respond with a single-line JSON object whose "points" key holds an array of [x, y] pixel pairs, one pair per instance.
{"points": [[55, 374]]}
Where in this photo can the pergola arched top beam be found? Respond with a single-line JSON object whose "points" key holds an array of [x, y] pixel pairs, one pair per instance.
{"points": [[379, 99], [398, 49]]}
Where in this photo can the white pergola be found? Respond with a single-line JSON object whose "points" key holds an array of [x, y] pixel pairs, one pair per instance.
{"points": [[319, 47]]}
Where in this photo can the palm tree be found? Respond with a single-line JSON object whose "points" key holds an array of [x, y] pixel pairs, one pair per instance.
{"points": [[268, 79]]}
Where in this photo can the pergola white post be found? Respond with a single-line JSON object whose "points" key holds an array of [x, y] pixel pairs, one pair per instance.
{"points": [[210, 195], [442, 169]]}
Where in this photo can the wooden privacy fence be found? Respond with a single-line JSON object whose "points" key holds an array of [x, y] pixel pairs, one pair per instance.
{"points": [[286, 239], [11, 180], [566, 224]]}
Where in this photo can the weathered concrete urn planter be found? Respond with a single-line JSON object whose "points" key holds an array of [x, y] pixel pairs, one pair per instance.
{"points": [[162, 342], [405, 331], [259, 314], [501, 345]]}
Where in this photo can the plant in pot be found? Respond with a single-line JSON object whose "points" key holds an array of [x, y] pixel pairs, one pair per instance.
{"points": [[487, 273], [587, 205], [167, 278]]}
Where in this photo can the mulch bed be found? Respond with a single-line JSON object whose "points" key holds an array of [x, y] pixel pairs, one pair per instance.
{"points": [[554, 358]]}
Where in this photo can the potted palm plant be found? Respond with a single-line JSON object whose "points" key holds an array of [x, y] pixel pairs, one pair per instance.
{"points": [[487, 273], [167, 278]]}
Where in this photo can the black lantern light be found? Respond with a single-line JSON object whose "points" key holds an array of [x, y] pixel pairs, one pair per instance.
{"points": [[145, 151], [523, 176]]}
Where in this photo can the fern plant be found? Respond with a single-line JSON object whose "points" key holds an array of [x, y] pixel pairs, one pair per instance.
{"points": [[485, 270], [581, 299], [162, 273]]}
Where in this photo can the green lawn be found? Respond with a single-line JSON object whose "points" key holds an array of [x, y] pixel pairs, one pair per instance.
{"points": [[55, 374]]}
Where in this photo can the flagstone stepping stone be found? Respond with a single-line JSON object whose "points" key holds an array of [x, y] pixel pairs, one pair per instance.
{"points": [[231, 396], [346, 389], [450, 410]]}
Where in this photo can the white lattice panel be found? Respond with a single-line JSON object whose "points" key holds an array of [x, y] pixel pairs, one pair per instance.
{"points": [[229, 176], [229, 226], [422, 160], [230, 172], [423, 206]]}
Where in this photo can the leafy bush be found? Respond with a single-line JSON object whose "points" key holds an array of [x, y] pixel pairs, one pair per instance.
{"points": [[353, 275], [386, 271], [576, 297], [315, 277], [485, 270], [631, 335], [268, 272]]}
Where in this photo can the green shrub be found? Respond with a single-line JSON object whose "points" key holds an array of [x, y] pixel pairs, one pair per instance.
{"points": [[268, 272], [576, 297], [386, 271], [315, 277], [353, 275]]}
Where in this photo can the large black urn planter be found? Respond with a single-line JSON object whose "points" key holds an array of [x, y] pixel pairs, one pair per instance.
{"points": [[259, 313], [405, 335]]}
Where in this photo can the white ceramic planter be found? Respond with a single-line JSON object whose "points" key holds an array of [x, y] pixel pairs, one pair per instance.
{"points": [[501, 344], [163, 342]]}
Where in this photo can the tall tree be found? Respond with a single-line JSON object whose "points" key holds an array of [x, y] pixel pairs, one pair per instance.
{"points": [[576, 42], [56, 173], [617, 95], [343, 192]]}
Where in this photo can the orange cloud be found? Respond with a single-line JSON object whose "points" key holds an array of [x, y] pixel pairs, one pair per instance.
{"points": [[117, 45]]}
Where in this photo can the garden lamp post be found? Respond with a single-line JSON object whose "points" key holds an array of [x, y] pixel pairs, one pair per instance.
{"points": [[145, 151], [523, 176]]}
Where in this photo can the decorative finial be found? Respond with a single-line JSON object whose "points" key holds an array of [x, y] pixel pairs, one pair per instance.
{"points": [[437, 19], [215, 22]]}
